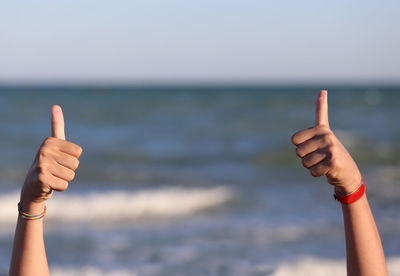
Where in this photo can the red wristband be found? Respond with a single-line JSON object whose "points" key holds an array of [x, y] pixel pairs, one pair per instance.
{"points": [[351, 198]]}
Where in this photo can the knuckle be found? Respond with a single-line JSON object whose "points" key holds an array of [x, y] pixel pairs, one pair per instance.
{"points": [[293, 139], [327, 139], [299, 152], [79, 150], [75, 164], [305, 162], [71, 175], [42, 178], [74, 149], [44, 153], [63, 186], [314, 172], [48, 141]]}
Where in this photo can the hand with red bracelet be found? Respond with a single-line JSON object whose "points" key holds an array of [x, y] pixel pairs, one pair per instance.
{"points": [[53, 167], [323, 154]]}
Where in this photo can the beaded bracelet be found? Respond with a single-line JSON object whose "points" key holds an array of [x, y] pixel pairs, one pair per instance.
{"points": [[27, 216]]}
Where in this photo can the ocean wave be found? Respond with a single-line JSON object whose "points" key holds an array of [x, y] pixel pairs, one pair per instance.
{"points": [[305, 266], [112, 206], [314, 266], [89, 271]]}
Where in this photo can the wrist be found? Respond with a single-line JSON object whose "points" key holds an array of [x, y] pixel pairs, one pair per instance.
{"points": [[351, 197], [32, 200], [32, 207], [350, 186]]}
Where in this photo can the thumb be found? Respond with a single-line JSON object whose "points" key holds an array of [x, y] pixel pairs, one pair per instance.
{"points": [[321, 110], [57, 122]]}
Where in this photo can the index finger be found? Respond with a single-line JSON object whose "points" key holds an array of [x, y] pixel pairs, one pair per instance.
{"points": [[306, 134]]}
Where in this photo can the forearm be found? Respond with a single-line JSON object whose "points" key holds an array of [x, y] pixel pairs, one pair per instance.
{"points": [[29, 255], [53, 167], [364, 249], [323, 154]]}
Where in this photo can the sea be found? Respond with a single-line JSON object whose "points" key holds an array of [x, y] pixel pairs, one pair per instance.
{"points": [[199, 180]]}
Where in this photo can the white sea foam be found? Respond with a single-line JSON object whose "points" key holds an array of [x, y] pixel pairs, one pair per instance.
{"points": [[121, 205], [305, 266], [89, 271], [314, 266]]}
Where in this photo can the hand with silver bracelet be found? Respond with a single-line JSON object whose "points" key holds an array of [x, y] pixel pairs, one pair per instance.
{"points": [[53, 167]]}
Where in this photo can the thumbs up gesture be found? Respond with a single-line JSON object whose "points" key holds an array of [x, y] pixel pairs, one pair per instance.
{"points": [[323, 154], [53, 167]]}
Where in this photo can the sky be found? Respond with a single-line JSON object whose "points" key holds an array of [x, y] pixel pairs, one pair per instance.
{"points": [[207, 41]]}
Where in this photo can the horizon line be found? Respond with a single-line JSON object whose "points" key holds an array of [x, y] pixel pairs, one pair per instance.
{"points": [[199, 84]]}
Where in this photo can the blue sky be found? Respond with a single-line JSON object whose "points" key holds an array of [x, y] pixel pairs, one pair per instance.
{"points": [[200, 41]]}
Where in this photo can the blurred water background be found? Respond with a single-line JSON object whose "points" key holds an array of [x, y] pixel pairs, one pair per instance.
{"points": [[199, 180]]}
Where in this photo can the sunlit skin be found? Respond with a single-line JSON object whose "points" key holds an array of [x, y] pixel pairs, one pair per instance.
{"points": [[322, 153], [53, 167]]}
